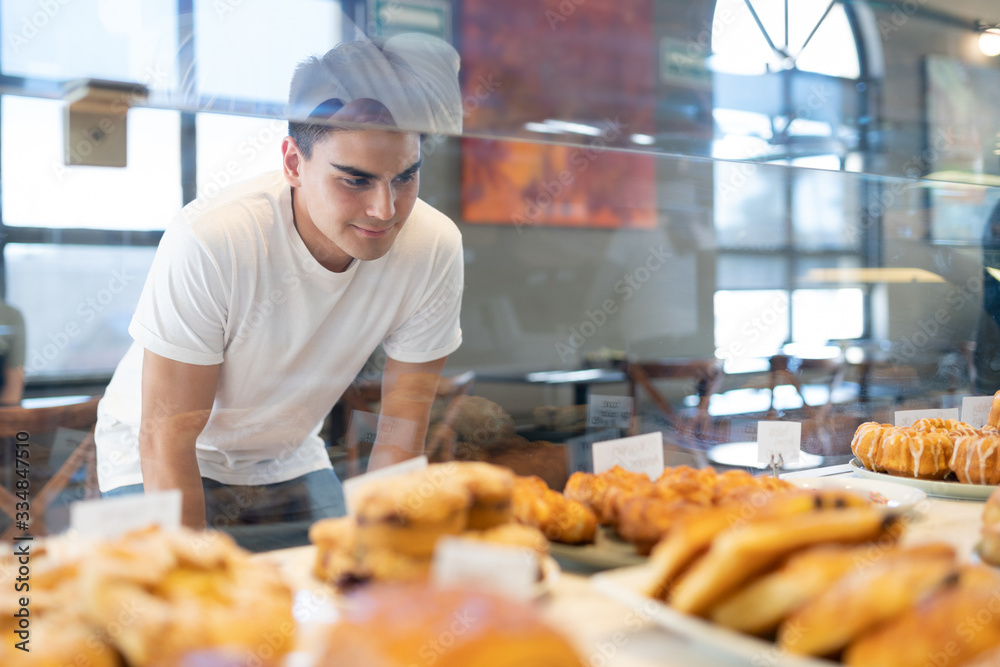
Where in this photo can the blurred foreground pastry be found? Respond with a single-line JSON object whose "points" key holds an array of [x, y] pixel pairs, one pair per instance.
{"points": [[398, 522], [417, 625], [151, 598], [957, 622], [185, 592], [989, 541]]}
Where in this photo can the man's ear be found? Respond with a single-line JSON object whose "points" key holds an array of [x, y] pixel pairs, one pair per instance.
{"points": [[291, 161]]}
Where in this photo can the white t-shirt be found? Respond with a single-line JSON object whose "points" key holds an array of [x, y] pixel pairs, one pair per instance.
{"points": [[232, 283]]}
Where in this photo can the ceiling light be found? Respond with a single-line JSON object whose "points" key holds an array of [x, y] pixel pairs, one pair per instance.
{"points": [[989, 39]]}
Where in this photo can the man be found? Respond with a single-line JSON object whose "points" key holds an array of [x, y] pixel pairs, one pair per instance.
{"points": [[12, 343], [263, 304]]}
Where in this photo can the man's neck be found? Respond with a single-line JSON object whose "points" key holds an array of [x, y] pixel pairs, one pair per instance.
{"points": [[319, 246]]}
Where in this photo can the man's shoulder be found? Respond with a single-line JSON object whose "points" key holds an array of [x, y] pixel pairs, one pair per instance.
{"points": [[428, 224], [243, 201]]}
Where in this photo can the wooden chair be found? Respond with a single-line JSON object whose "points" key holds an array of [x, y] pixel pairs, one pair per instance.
{"points": [[81, 416], [789, 370], [706, 374]]}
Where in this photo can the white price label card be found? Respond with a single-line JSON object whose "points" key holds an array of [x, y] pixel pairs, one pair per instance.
{"points": [[976, 410], [609, 411], [353, 485], [395, 432], [108, 518], [362, 428], [580, 449], [907, 417], [512, 571], [779, 442], [639, 453]]}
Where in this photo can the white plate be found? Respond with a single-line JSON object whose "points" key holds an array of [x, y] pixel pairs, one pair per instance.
{"points": [[931, 487], [744, 455], [890, 494], [626, 585]]}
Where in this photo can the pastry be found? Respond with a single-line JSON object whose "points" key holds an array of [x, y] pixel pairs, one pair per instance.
{"points": [[560, 519], [409, 513], [418, 624], [737, 556], [591, 489], [993, 419], [989, 539], [490, 490], [865, 598], [947, 628], [919, 454], [694, 533], [976, 459], [171, 593], [761, 606], [58, 633], [867, 443]]}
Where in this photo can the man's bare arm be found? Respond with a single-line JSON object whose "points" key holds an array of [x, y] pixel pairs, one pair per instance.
{"points": [[408, 392], [13, 386], [177, 400]]}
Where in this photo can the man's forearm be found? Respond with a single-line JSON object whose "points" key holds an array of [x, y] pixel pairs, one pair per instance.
{"points": [[169, 463], [391, 448]]}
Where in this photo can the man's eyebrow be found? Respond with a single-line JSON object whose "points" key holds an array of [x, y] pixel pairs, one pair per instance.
{"points": [[359, 173]]}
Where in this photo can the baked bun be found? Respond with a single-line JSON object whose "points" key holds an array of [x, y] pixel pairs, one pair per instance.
{"points": [[976, 459], [409, 513], [417, 624], [490, 490]]}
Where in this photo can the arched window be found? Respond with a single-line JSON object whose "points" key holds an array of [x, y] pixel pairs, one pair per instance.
{"points": [[790, 101]]}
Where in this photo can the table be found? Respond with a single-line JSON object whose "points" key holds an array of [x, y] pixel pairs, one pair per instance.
{"points": [[610, 634], [580, 379]]}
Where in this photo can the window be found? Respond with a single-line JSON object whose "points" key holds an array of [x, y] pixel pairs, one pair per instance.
{"points": [[786, 102], [78, 241]]}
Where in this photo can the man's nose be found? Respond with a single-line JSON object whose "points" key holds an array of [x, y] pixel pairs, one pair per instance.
{"points": [[382, 205]]}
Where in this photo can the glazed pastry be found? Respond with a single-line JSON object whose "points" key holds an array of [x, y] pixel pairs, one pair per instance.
{"points": [[922, 455], [976, 459], [867, 443], [993, 419]]}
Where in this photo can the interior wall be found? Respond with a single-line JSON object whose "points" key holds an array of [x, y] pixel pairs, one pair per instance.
{"points": [[539, 297], [949, 316]]}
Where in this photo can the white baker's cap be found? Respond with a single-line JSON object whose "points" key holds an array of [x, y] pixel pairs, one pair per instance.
{"points": [[415, 76]]}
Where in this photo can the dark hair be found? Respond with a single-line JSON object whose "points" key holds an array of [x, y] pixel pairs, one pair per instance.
{"points": [[351, 116]]}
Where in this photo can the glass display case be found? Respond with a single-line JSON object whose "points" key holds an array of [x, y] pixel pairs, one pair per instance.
{"points": [[699, 216]]}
